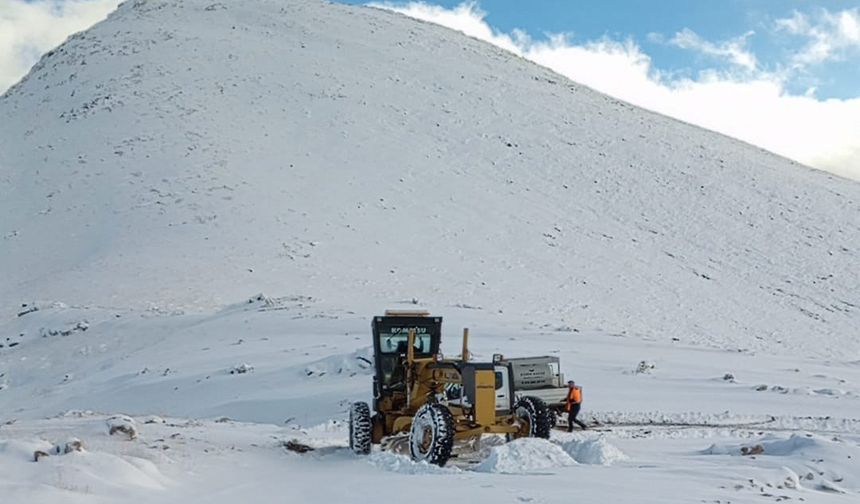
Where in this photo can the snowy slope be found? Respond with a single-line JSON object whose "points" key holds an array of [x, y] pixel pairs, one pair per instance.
{"points": [[184, 155]]}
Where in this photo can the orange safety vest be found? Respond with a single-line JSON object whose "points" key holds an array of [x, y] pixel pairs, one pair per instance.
{"points": [[574, 396]]}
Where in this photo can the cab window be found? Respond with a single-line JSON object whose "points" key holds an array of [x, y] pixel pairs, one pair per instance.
{"points": [[396, 340]]}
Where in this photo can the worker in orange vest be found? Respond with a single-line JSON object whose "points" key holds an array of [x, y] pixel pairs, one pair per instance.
{"points": [[573, 405]]}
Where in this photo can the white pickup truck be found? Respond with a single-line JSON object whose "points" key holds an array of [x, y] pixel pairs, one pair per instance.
{"points": [[540, 377]]}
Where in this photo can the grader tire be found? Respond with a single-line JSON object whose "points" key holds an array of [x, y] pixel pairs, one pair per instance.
{"points": [[360, 428], [431, 437], [535, 415]]}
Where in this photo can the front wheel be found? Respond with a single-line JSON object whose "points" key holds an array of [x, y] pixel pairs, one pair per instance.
{"points": [[533, 417], [360, 428], [431, 437]]}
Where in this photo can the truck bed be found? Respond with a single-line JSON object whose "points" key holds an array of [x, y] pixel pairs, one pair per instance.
{"points": [[552, 396]]}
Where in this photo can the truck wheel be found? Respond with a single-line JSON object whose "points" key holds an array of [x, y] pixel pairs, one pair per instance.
{"points": [[432, 435], [360, 428], [553, 418], [533, 416]]}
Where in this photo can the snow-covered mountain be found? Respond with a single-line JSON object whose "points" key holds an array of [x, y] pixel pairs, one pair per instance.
{"points": [[188, 154], [161, 169]]}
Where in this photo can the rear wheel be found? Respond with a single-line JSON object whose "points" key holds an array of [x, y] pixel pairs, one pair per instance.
{"points": [[534, 418], [360, 428], [431, 438]]}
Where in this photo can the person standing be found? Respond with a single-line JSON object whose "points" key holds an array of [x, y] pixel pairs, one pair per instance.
{"points": [[573, 405]]}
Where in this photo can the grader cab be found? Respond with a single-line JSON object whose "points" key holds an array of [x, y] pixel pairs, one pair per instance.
{"points": [[436, 400]]}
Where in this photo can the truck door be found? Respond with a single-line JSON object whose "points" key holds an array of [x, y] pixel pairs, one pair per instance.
{"points": [[503, 389]]}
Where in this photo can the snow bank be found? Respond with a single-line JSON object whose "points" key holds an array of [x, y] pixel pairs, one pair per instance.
{"points": [[596, 451], [524, 456]]}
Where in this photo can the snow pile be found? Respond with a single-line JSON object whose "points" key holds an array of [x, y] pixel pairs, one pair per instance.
{"points": [[645, 367], [831, 392], [241, 369], [352, 364], [779, 447], [596, 451], [98, 470], [403, 464], [72, 445], [523, 456], [122, 425], [71, 470], [262, 302], [80, 326]]}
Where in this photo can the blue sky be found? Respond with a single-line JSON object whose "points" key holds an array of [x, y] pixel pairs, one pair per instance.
{"points": [[718, 20]]}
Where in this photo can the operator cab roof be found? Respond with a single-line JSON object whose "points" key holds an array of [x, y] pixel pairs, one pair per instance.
{"points": [[407, 313]]}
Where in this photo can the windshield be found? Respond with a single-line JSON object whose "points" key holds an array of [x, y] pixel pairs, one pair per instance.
{"points": [[395, 340]]}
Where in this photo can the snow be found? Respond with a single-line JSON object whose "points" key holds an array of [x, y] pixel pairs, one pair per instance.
{"points": [[204, 207], [597, 451], [99, 472], [122, 425], [403, 464], [524, 456], [776, 447], [809, 460]]}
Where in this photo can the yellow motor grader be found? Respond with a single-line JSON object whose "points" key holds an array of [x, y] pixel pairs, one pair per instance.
{"points": [[437, 400]]}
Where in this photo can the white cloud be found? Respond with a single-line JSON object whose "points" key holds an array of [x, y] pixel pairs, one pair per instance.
{"points": [[733, 50], [831, 35], [29, 29], [466, 17], [753, 106]]}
